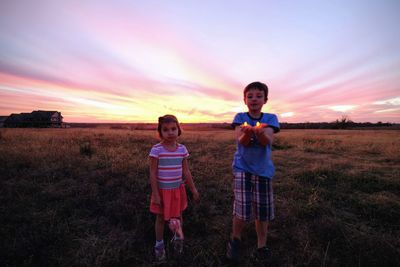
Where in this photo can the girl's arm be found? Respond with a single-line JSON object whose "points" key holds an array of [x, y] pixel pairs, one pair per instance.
{"points": [[243, 134], [265, 135], [189, 179], [153, 180]]}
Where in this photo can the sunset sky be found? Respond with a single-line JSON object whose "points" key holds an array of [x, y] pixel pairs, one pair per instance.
{"points": [[132, 61]]}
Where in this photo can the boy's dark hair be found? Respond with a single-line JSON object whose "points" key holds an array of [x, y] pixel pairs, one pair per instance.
{"points": [[259, 86], [167, 119]]}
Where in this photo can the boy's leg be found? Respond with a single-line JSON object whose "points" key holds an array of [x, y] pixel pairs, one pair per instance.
{"points": [[242, 202], [241, 212], [261, 229], [237, 227], [264, 208], [234, 244], [242, 205], [159, 227]]}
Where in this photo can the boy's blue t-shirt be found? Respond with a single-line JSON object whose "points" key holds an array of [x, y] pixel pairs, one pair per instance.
{"points": [[255, 158]]}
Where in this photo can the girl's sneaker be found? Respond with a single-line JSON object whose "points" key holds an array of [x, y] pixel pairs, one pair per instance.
{"points": [[159, 253], [177, 244]]}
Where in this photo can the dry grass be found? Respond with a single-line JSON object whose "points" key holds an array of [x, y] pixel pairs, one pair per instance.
{"points": [[79, 197]]}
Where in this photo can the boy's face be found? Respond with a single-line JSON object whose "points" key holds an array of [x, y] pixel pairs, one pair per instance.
{"points": [[255, 99]]}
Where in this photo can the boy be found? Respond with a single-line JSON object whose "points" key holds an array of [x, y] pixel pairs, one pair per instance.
{"points": [[253, 170]]}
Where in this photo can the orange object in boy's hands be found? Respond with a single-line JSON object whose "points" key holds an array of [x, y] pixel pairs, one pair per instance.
{"points": [[261, 125], [246, 128], [259, 128]]}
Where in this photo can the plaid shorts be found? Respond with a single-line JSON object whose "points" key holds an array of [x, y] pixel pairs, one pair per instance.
{"points": [[253, 197]]}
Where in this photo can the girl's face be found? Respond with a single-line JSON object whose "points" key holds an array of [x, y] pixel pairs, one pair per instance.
{"points": [[169, 131], [255, 99]]}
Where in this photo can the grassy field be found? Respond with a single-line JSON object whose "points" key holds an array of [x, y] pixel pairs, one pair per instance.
{"points": [[79, 197]]}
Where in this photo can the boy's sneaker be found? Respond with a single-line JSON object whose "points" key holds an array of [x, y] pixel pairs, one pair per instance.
{"points": [[262, 255], [233, 250], [159, 252]]}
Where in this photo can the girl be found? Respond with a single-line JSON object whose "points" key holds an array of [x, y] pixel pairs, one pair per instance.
{"points": [[168, 164]]}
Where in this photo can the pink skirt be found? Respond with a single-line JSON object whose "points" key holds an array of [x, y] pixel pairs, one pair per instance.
{"points": [[173, 202]]}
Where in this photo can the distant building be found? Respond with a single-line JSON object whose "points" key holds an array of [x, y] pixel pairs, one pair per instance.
{"points": [[2, 120], [38, 118]]}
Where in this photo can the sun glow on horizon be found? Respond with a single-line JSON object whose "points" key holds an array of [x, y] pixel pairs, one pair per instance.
{"points": [[135, 61]]}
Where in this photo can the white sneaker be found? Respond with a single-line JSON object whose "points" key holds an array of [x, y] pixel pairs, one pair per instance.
{"points": [[159, 252]]}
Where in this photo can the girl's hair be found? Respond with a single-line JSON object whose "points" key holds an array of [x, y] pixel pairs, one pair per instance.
{"points": [[259, 86], [167, 119]]}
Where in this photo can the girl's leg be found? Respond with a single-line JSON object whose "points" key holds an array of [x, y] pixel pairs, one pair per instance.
{"points": [[177, 240], [261, 229], [175, 225], [159, 247], [159, 227], [180, 232]]}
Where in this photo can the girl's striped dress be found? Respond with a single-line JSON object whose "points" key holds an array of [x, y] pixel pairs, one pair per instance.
{"points": [[170, 181]]}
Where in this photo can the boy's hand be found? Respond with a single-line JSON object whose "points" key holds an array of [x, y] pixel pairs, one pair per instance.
{"points": [[259, 129], [246, 129]]}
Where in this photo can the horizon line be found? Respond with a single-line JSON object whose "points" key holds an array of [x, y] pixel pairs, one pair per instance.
{"points": [[227, 122]]}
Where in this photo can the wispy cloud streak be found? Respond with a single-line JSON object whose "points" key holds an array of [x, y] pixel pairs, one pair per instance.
{"points": [[130, 61]]}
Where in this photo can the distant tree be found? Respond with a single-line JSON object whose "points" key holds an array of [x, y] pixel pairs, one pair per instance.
{"points": [[343, 122]]}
